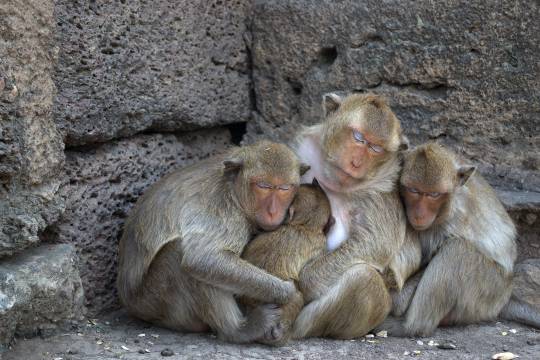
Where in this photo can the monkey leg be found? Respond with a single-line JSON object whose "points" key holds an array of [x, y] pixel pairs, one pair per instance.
{"points": [[173, 299], [521, 312], [353, 306]]}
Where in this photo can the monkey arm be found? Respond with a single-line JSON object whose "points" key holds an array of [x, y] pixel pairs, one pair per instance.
{"points": [[377, 233], [226, 270]]}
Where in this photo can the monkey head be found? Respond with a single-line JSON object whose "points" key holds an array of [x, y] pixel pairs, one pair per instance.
{"points": [[431, 174], [360, 132], [265, 178], [311, 208]]}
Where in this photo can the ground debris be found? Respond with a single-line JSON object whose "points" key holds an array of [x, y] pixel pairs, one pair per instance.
{"points": [[504, 356]]}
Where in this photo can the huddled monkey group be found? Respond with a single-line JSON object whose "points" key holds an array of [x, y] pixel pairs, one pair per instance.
{"points": [[345, 231]]}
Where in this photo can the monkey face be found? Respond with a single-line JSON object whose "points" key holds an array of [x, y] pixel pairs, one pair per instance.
{"points": [[359, 152], [423, 204], [272, 198], [361, 133], [431, 174]]}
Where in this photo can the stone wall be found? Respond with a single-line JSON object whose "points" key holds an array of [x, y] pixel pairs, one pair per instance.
{"points": [[98, 100], [462, 72]]}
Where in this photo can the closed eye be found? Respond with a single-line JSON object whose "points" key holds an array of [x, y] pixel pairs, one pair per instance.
{"points": [[434, 195], [285, 187], [359, 137], [376, 148], [264, 185]]}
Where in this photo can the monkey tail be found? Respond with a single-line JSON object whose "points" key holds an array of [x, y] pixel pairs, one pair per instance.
{"points": [[521, 312]]}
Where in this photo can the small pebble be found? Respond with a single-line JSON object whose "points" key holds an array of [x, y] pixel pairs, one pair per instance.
{"points": [[505, 348], [136, 341], [141, 335], [504, 356], [73, 352], [504, 333], [167, 352], [447, 346], [382, 333], [513, 331], [369, 335], [155, 336], [417, 352], [125, 347], [420, 342], [406, 353]]}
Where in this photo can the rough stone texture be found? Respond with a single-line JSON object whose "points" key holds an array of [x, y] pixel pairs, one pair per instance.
{"points": [[103, 339], [103, 183], [31, 150], [39, 289], [527, 282], [464, 72], [129, 66], [524, 208]]}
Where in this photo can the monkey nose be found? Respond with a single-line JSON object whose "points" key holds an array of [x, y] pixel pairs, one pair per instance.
{"points": [[356, 163]]}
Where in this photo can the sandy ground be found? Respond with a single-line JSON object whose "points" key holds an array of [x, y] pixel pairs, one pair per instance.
{"points": [[118, 336]]}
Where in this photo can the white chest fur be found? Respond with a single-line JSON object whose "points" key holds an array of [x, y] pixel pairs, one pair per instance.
{"points": [[309, 152]]}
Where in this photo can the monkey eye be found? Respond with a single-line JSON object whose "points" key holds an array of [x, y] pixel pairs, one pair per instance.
{"points": [[376, 148], [359, 137], [434, 195], [285, 187], [263, 185], [412, 190]]}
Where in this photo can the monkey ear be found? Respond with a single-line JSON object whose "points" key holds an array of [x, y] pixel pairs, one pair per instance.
{"points": [[464, 173], [232, 164], [291, 212], [304, 168], [404, 143], [331, 102]]}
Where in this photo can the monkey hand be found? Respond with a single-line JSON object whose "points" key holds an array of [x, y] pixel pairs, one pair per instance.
{"points": [[285, 293]]}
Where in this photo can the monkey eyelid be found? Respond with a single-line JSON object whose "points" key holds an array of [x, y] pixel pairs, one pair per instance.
{"points": [[264, 185], [359, 137], [412, 190]]}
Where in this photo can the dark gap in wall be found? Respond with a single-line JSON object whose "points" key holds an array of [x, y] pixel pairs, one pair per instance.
{"points": [[328, 55], [237, 130]]}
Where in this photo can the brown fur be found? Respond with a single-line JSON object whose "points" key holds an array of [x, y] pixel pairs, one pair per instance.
{"points": [[285, 251], [180, 264], [469, 250], [345, 291]]}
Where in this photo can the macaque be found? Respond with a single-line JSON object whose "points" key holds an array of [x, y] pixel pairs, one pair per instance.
{"points": [[180, 264], [354, 154], [284, 251], [468, 247]]}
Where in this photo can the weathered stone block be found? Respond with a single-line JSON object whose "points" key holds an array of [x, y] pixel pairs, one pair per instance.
{"points": [[39, 290], [103, 183], [129, 66], [527, 282], [461, 72], [31, 149]]}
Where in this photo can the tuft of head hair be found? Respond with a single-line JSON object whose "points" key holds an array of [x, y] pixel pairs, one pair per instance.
{"points": [[430, 164], [369, 112]]}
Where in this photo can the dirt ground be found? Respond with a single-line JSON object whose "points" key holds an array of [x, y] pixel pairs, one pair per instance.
{"points": [[118, 336]]}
